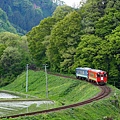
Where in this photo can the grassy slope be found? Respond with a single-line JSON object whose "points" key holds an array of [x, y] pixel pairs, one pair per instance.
{"points": [[65, 91]]}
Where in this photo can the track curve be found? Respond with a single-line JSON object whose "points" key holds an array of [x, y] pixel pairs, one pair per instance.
{"points": [[105, 91]]}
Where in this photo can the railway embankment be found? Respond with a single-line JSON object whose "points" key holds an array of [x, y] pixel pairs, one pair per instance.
{"points": [[65, 91]]}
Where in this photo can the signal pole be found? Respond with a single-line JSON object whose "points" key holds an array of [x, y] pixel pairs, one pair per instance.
{"points": [[46, 80], [27, 78]]}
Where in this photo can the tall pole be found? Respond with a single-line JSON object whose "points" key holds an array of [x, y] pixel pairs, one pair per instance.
{"points": [[27, 78], [46, 81]]}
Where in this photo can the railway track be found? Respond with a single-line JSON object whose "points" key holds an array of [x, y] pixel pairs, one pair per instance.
{"points": [[105, 91]]}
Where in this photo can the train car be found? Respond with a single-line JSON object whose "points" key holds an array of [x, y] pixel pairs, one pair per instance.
{"points": [[82, 73], [99, 76]]}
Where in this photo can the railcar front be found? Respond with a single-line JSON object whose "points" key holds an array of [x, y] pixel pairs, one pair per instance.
{"points": [[99, 76], [102, 77]]}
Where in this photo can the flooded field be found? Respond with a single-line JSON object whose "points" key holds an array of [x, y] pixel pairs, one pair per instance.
{"points": [[6, 95], [12, 107]]}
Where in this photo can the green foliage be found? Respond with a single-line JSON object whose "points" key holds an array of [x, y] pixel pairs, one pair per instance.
{"points": [[88, 48], [90, 13], [10, 62], [38, 40], [88, 36], [64, 38], [25, 14], [5, 25], [14, 55], [114, 42], [2, 48], [112, 4], [107, 23], [61, 11]]}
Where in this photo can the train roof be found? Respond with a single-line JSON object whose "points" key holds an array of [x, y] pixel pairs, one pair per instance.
{"points": [[85, 68], [96, 70]]}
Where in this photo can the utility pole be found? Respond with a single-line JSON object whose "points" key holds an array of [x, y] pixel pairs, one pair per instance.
{"points": [[46, 80], [27, 78]]}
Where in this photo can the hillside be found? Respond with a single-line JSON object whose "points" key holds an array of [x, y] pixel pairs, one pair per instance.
{"points": [[25, 14], [67, 91], [5, 25]]}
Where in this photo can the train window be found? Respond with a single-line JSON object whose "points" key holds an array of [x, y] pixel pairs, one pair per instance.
{"points": [[92, 74], [105, 75], [98, 75], [81, 72]]}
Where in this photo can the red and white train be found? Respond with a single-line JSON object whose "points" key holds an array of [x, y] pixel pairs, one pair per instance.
{"points": [[94, 75]]}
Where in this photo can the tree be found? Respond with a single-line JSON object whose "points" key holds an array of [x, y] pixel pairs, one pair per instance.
{"points": [[90, 13], [63, 41], [5, 25], [36, 38], [8, 38], [87, 50], [113, 4], [114, 44], [14, 55], [10, 62], [25, 14], [107, 23], [61, 12], [2, 48]]}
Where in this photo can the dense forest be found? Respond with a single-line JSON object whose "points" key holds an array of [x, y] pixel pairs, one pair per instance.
{"points": [[88, 36], [24, 14], [5, 25]]}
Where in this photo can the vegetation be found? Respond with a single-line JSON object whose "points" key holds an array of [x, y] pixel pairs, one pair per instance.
{"points": [[66, 91], [60, 92], [25, 14], [14, 55], [86, 37], [5, 25]]}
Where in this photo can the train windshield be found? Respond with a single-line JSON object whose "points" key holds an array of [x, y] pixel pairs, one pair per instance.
{"points": [[105, 75], [98, 75], [101, 75]]}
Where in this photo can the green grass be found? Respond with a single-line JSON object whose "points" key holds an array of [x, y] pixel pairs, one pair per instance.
{"points": [[66, 91], [59, 89]]}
